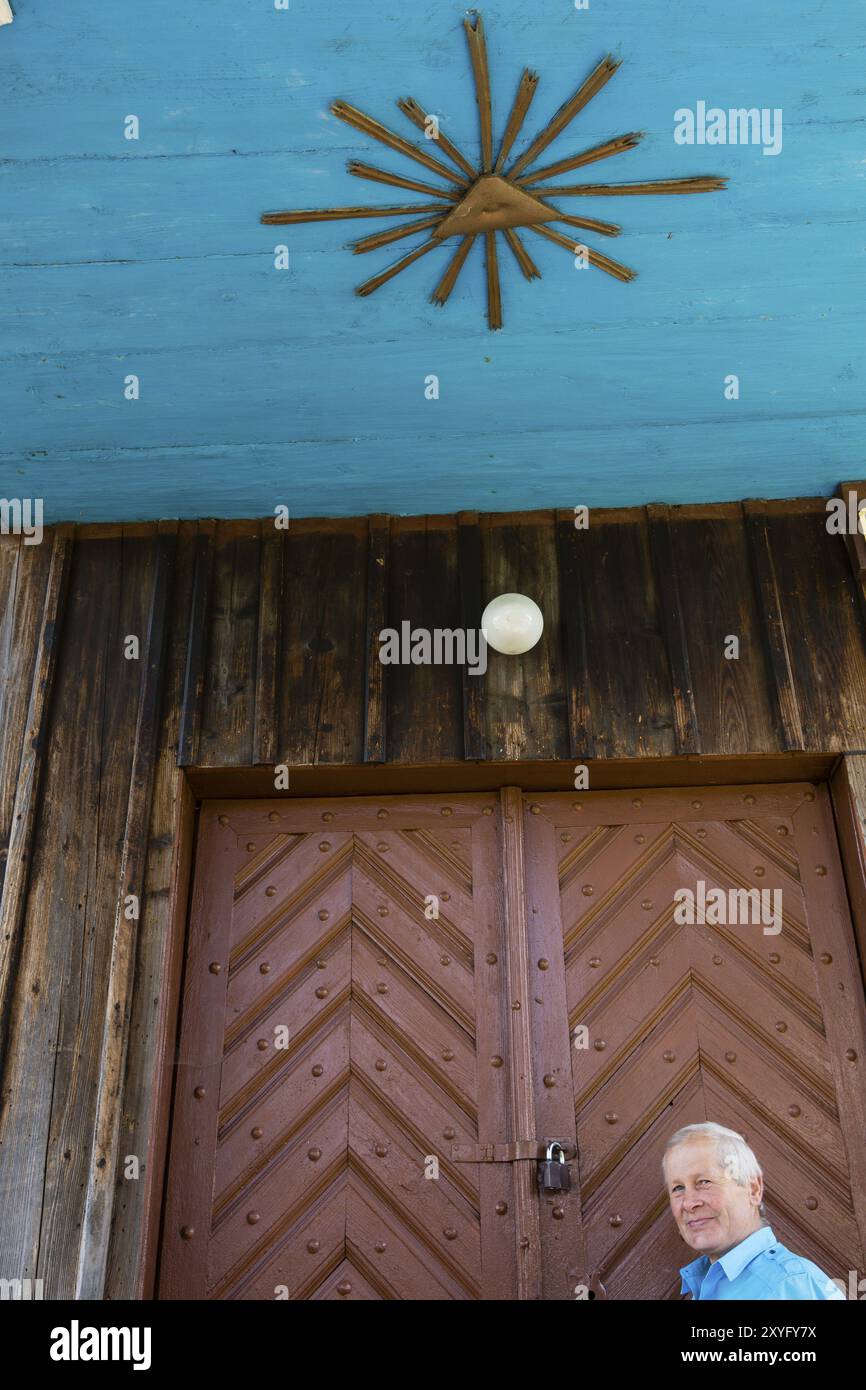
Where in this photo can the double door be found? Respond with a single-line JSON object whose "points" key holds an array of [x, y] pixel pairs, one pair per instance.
{"points": [[391, 1004]]}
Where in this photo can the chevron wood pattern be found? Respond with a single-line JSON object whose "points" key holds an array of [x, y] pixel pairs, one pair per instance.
{"points": [[688, 1023], [359, 930], [339, 1032]]}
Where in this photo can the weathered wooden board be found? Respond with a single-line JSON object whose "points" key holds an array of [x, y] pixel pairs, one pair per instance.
{"points": [[271, 655]]}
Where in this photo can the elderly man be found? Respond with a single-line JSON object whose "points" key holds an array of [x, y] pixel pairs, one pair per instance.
{"points": [[715, 1186]]}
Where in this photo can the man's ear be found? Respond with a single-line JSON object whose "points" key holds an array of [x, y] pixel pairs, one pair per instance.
{"points": [[756, 1191]]}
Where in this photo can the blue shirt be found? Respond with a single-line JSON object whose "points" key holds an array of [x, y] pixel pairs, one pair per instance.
{"points": [[759, 1267]]}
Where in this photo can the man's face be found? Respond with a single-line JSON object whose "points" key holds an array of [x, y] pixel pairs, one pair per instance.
{"points": [[713, 1212]]}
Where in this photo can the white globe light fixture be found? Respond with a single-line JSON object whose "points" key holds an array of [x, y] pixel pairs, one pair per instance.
{"points": [[512, 623]]}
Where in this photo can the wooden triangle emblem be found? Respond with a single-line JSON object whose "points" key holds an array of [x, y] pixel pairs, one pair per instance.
{"points": [[491, 205]]}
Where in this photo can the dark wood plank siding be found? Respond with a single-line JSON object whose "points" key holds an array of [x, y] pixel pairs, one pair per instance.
{"points": [[719, 601], [425, 703], [322, 669], [630, 695], [823, 632], [269, 651], [526, 707]]}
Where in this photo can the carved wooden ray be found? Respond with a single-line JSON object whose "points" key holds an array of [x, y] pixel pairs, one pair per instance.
{"points": [[484, 201]]}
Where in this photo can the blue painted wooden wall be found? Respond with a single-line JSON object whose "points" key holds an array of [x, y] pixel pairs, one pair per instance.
{"points": [[261, 386]]}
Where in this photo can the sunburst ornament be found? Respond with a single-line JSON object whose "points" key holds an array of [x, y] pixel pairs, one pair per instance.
{"points": [[490, 199]]}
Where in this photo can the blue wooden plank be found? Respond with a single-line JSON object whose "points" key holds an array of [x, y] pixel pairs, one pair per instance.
{"points": [[350, 476], [261, 385]]}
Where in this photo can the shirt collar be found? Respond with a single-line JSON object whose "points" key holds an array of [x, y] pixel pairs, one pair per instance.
{"points": [[733, 1262]]}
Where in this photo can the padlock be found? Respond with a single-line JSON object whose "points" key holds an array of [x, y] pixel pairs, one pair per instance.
{"points": [[554, 1175]]}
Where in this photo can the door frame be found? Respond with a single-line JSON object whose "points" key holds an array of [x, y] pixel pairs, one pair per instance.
{"points": [[844, 775]]}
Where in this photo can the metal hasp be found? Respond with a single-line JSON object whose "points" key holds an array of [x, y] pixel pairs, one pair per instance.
{"points": [[536, 1149]]}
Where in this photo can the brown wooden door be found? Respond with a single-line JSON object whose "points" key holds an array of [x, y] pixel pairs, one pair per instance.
{"points": [[763, 1033], [429, 960], [298, 1170]]}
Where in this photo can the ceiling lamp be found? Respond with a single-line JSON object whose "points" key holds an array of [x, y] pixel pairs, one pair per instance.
{"points": [[512, 623]]}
